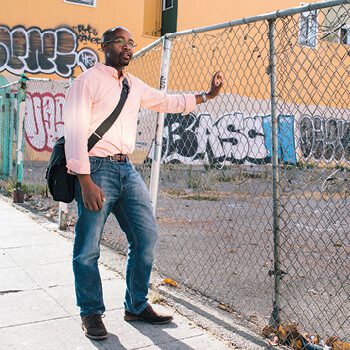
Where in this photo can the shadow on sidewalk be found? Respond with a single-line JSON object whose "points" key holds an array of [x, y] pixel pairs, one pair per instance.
{"points": [[230, 327], [112, 342], [158, 336]]}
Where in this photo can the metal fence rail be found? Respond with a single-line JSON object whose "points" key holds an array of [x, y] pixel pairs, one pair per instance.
{"points": [[253, 188]]}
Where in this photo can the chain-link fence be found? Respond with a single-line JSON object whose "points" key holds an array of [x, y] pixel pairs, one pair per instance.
{"points": [[236, 224], [253, 205], [312, 69]]}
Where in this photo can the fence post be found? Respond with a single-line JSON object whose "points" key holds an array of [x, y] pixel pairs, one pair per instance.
{"points": [[157, 155], [275, 317], [6, 135], [62, 216], [2, 137], [18, 194], [11, 132]]}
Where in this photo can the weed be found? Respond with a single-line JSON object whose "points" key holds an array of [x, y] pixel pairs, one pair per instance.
{"points": [[197, 180], [203, 197], [8, 185]]}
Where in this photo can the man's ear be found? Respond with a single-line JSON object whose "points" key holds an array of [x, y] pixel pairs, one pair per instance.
{"points": [[103, 47]]}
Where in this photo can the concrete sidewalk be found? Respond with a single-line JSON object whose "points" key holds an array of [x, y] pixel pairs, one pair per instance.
{"points": [[37, 301]]}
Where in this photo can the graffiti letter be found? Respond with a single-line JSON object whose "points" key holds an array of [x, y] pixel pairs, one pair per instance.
{"points": [[66, 47], [306, 136], [5, 44], [235, 143], [182, 141], [254, 132], [208, 140]]}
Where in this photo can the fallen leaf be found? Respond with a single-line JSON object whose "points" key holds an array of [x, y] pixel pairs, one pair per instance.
{"points": [[170, 282], [267, 331], [336, 344]]}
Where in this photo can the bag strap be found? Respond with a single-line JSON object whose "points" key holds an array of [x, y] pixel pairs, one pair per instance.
{"points": [[108, 122]]}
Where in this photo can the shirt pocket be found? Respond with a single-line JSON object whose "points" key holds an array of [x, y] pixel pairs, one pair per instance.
{"points": [[95, 164]]}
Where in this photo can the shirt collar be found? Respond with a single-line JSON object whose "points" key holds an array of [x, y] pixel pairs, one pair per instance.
{"points": [[109, 70]]}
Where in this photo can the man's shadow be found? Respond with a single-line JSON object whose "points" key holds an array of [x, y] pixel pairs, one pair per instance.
{"points": [[112, 342], [158, 335]]}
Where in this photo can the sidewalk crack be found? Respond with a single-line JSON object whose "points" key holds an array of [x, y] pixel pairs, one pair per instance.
{"points": [[2, 292]]}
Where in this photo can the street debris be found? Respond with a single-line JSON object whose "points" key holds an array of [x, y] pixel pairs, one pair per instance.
{"points": [[170, 282], [289, 336]]}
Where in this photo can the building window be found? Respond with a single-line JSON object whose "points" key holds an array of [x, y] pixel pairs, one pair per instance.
{"points": [[345, 35], [167, 4], [336, 25], [91, 3], [308, 28]]}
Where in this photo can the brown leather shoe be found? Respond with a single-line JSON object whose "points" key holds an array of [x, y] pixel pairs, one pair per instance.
{"points": [[93, 327], [148, 315]]}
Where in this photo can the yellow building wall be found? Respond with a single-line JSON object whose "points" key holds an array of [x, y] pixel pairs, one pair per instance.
{"points": [[309, 75], [55, 14], [141, 17], [152, 24], [198, 13]]}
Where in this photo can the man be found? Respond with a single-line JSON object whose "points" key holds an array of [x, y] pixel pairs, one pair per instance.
{"points": [[107, 182]]}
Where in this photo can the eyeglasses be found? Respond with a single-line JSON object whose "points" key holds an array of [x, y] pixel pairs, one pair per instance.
{"points": [[121, 42]]}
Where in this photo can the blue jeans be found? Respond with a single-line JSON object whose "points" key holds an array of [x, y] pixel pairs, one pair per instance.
{"points": [[128, 199]]}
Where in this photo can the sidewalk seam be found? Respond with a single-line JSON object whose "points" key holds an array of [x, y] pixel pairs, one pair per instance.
{"points": [[34, 322]]}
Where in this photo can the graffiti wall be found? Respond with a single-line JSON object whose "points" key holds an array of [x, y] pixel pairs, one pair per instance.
{"points": [[204, 138], [232, 139], [46, 51]]}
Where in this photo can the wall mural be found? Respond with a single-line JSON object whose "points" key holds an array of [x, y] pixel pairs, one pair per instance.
{"points": [[196, 139], [193, 139], [233, 138], [47, 51]]}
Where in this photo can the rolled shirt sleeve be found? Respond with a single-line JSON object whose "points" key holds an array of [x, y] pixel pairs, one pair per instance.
{"points": [[77, 115]]}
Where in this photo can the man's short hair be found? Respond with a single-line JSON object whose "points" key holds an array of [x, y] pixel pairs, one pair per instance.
{"points": [[109, 33]]}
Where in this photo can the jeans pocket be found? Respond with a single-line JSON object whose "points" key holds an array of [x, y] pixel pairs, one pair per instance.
{"points": [[95, 164]]}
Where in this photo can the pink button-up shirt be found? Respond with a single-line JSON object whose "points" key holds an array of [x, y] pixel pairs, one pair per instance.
{"points": [[92, 98]]}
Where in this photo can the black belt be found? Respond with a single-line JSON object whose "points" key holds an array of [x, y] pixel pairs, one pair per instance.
{"points": [[119, 158]]}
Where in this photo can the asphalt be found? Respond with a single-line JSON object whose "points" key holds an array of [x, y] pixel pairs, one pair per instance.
{"points": [[37, 300]]}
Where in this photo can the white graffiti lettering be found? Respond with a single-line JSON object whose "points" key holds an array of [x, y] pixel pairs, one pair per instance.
{"points": [[48, 51], [43, 121], [197, 140], [324, 139]]}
